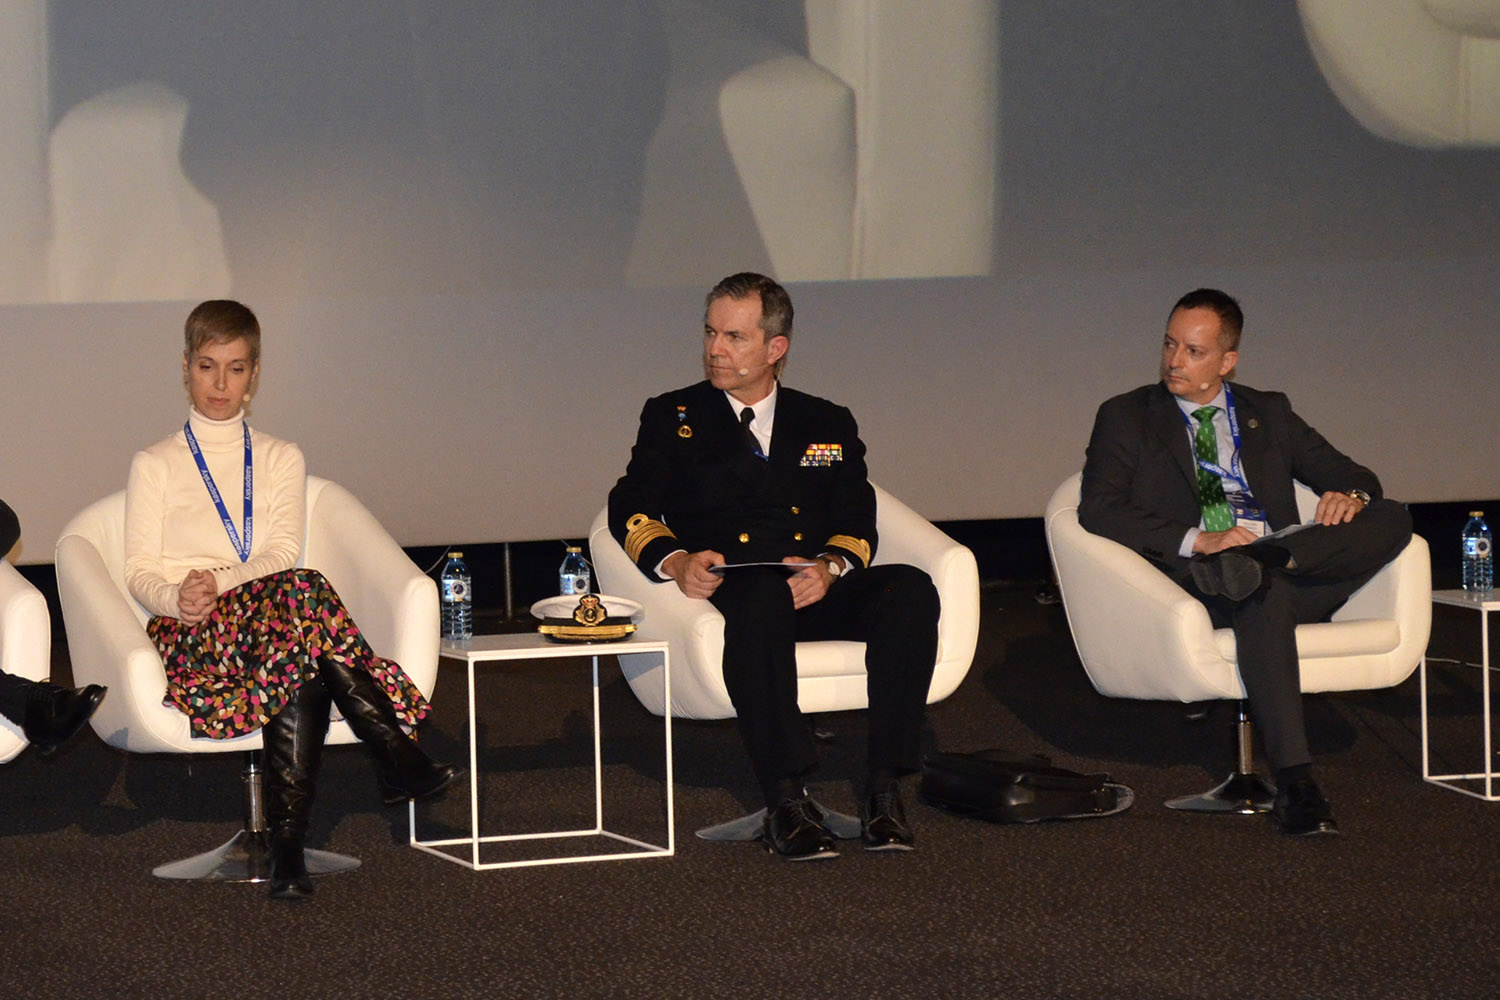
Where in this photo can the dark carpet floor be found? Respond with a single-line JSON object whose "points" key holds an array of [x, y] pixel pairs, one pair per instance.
{"points": [[1146, 904]]}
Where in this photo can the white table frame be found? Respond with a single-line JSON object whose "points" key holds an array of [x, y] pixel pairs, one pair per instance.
{"points": [[531, 646], [1484, 604]]}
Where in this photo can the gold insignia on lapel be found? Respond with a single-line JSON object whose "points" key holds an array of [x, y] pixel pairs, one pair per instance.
{"points": [[822, 454], [1253, 423], [683, 430]]}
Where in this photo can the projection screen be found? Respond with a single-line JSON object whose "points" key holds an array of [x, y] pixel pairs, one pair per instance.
{"points": [[478, 235]]}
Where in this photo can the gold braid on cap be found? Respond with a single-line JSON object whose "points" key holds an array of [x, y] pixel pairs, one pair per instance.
{"points": [[849, 543], [641, 531]]}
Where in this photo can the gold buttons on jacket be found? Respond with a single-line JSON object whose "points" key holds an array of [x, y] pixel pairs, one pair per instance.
{"points": [[744, 538], [797, 536], [796, 510]]}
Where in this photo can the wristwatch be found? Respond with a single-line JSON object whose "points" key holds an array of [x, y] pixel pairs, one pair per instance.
{"points": [[835, 568], [1360, 495]]}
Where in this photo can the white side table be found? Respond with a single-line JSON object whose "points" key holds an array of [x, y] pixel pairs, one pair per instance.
{"points": [[531, 646], [1484, 604]]}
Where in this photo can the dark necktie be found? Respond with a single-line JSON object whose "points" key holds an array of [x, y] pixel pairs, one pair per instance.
{"points": [[1217, 514], [747, 415]]}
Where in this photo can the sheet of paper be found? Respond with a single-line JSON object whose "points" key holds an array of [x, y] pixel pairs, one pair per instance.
{"points": [[790, 567]]}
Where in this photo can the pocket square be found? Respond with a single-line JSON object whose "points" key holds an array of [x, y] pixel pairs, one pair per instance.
{"points": [[822, 454]]}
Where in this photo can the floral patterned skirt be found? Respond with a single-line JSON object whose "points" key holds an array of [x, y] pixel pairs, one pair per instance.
{"points": [[233, 671]]}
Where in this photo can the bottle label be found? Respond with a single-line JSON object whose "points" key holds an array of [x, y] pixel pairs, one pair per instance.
{"points": [[456, 590], [1478, 548], [574, 583]]}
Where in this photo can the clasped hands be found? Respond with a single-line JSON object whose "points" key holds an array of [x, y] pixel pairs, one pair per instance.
{"points": [[1333, 508], [196, 595], [695, 577]]}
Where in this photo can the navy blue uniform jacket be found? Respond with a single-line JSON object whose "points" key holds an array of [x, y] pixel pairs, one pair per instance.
{"points": [[693, 483]]}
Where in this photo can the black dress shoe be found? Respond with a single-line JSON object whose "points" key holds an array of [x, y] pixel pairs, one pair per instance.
{"points": [[792, 831], [1232, 573], [55, 714], [1300, 810], [883, 819]]}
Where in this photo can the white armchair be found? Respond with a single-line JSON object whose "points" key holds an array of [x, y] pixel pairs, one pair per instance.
{"points": [[1140, 635], [831, 674], [393, 602], [25, 643]]}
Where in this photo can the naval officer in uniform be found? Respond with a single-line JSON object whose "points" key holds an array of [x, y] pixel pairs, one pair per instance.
{"points": [[740, 469]]}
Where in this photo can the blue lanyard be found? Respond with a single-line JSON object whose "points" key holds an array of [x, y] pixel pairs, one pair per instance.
{"points": [[213, 491], [1236, 471]]}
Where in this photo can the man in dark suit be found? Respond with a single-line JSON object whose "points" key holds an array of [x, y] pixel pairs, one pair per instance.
{"points": [[740, 469], [48, 715], [1193, 474]]}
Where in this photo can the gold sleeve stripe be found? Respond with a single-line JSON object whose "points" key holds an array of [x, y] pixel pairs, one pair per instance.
{"points": [[642, 531], [858, 546]]}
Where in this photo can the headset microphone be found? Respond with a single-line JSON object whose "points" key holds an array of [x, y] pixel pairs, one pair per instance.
{"points": [[1201, 385], [743, 372]]}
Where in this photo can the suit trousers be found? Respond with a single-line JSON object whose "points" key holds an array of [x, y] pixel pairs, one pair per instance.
{"points": [[893, 609], [1330, 562]]}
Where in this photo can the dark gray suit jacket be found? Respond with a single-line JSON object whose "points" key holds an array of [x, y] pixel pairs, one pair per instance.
{"points": [[1140, 479]]}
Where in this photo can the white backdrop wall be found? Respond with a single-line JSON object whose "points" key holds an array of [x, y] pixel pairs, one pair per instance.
{"points": [[459, 325]]}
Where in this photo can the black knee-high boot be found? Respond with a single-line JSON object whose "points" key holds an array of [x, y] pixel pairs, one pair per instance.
{"points": [[406, 772], [293, 742]]}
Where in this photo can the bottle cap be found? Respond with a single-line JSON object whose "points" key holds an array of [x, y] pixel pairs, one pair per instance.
{"points": [[1476, 513], [455, 554], [575, 548]]}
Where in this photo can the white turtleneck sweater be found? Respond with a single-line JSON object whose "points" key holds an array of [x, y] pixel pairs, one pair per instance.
{"points": [[172, 525]]}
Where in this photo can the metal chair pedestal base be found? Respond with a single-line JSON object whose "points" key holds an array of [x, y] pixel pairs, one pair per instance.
{"points": [[245, 856], [841, 825], [1243, 792]]}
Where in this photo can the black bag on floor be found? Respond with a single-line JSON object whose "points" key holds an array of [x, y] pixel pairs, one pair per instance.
{"points": [[1000, 787]]}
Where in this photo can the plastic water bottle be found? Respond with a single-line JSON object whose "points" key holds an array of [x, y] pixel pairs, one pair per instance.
{"points": [[457, 598], [1479, 559], [573, 574]]}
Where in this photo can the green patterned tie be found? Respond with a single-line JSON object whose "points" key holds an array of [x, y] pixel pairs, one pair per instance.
{"points": [[1217, 514]]}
